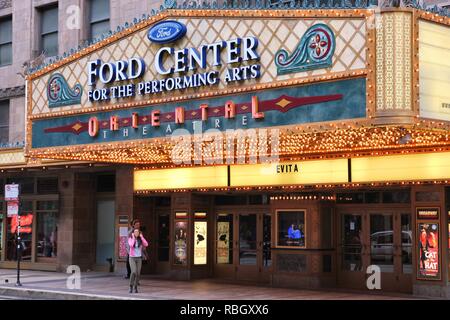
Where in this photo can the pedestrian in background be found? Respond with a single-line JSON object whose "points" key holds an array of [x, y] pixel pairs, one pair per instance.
{"points": [[137, 245]]}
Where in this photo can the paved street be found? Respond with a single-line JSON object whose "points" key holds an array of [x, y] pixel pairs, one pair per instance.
{"points": [[96, 285]]}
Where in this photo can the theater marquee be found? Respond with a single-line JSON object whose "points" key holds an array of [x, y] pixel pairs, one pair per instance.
{"points": [[199, 70]]}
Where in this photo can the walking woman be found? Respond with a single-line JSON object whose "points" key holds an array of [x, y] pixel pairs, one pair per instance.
{"points": [[137, 244]]}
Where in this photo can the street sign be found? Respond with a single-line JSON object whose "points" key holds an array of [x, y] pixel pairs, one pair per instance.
{"points": [[12, 192], [13, 208]]}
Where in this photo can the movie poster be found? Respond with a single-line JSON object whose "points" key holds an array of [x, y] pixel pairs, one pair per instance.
{"points": [[223, 242], [428, 237], [200, 242], [180, 243]]}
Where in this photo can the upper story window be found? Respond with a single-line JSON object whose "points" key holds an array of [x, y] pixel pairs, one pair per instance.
{"points": [[49, 31], [4, 121], [98, 18], [6, 41]]}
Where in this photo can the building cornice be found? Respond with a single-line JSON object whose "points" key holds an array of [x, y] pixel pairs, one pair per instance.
{"points": [[12, 92]]}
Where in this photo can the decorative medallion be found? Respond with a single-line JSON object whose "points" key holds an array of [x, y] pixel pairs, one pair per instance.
{"points": [[60, 94], [315, 51]]}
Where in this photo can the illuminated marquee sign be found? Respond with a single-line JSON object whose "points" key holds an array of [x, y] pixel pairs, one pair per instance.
{"points": [[302, 104]]}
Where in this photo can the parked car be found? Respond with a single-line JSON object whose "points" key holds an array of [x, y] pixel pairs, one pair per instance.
{"points": [[382, 245]]}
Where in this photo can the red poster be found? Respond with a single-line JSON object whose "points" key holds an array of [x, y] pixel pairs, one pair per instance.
{"points": [[428, 237]]}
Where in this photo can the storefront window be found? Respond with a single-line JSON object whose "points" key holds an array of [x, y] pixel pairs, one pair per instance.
{"points": [[224, 239], [26, 222], [291, 228], [47, 230]]}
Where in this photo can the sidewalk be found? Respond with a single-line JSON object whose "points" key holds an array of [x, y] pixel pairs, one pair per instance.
{"points": [[101, 286]]}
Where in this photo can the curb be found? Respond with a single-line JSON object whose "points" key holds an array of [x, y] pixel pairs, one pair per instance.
{"points": [[45, 294]]}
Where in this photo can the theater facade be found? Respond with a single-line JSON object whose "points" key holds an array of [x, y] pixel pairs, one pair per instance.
{"points": [[301, 147]]}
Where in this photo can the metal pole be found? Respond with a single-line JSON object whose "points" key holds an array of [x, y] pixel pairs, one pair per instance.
{"points": [[19, 249]]}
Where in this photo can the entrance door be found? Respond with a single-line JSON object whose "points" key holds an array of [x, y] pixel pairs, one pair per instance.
{"points": [[382, 239], [243, 246], [163, 243], [351, 254], [247, 252]]}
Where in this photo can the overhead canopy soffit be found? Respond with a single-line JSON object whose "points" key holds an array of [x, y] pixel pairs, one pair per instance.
{"points": [[294, 144]]}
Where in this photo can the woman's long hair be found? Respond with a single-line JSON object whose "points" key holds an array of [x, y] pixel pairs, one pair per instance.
{"points": [[138, 239]]}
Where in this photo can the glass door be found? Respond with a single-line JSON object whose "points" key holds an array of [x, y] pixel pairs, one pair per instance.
{"points": [[382, 242], [243, 246], [382, 239], [352, 243], [352, 259], [247, 240], [404, 253], [247, 259], [225, 244]]}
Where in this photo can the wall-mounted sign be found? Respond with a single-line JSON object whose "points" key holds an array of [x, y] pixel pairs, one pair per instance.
{"points": [[123, 220], [200, 215], [12, 208], [181, 215], [428, 251], [166, 32], [11, 192], [200, 242], [180, 242], [427, 213]]}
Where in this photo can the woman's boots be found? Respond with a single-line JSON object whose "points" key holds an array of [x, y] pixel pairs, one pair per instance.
{"points": [[131, 289]]}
